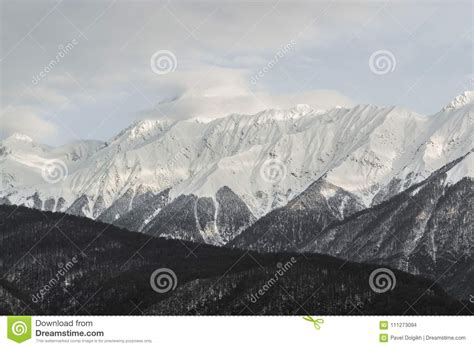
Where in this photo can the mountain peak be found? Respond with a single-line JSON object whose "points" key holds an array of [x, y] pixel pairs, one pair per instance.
{"points": [[20, 137], [141, 129], [461, 100], [145, 126]]}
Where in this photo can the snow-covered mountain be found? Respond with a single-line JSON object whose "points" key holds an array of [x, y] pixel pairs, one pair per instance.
{"points": [[257, 162]]}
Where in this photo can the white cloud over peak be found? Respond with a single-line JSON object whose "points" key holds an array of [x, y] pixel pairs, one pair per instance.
{"points": [[25, 120], [226, 91]]}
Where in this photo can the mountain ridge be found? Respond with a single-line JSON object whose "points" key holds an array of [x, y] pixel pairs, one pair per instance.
{"points": [[266, 159]]}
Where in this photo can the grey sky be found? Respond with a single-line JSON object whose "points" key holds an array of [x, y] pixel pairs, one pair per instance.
{"points": [[104, 81]]}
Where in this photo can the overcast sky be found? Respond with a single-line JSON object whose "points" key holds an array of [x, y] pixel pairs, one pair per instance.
{"points": [[84, 69]]}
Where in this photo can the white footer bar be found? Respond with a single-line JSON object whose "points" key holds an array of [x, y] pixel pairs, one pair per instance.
{"points": [[238, 331]]}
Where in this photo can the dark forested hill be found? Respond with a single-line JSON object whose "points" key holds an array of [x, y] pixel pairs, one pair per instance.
{"points": [[53, 263]]}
